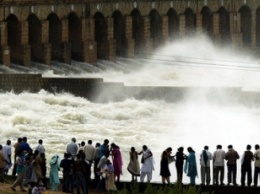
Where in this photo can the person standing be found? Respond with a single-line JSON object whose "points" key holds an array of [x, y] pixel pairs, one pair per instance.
{"points": [[2, 164], [246, 167], [89, 152], [190, 167], [40, 148], [25, 145], [72, 148], [205, 158], [110, 177], [231, 157], [79, 171], [133, 166], [218, 162], [166, 158], [257, 164], [54, 172], [147, 164], [7, 151], [104, 148], [16, 150], [180, 157], [67, 165], [96, 161], [117, 161], [20, 170]]}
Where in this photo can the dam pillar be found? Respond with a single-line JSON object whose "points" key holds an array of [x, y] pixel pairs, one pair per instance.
{"points": [[90, 45], [165, 29], [253, 29], [146, 41], [24, 57], [199, 28], [46, 46], [216, 34], [182, 25], [4, 48], [65, 45], [235, 29], [130, 43], [111, 45]]}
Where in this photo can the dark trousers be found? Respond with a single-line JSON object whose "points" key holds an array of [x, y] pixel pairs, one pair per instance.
{"points": [[80, 180], [179, 169], [219, 170], [97, 176], [232, 173], [257, 171], [246, 169], [68, 184], [88, 170]]}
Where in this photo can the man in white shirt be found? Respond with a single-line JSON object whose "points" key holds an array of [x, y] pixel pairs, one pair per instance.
{"points": [[7, 152], [205, 158], [257, 164], [218, 162], [40, 147], [72, 148], [89, 152]]}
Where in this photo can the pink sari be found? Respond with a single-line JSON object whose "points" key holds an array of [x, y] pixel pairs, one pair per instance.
{"points": [[117, 161]]}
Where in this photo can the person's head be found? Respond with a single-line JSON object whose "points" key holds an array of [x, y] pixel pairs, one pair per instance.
{"points": [[108, 162], [164, 154], [19, 139], [40, 141], [90, 142], [82, 143], [66, 155], [73, 139], [206, 147], [106, 142], [8, 142], [219, 146], [132, 149], [145, 147], [169, 150], [256, 146], [248, 147], [97, 145], [113, 145], [36, 153], [230, 147], [24, 139], [78, 156], [190, 150], [180, 149]]}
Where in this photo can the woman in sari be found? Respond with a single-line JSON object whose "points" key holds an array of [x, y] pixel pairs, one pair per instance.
{"points": [[117, 161], [190, 167], [133, 166], [54, 172]]}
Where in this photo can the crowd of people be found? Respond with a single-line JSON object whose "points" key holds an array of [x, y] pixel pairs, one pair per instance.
{"points": [[30, 167]]}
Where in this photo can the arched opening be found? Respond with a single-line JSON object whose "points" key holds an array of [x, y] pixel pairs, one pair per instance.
{"points": [[173, 23], [246, 25], [35, 31], [224, 25], [156, 28], [101, 35], [75, 34], [137, 29], [258, 27], [119, 33], [190, 22], [14, 37], [207, 21], [55, 36]]}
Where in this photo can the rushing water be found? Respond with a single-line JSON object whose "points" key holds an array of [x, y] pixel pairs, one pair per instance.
{"points": [[195, 121]]}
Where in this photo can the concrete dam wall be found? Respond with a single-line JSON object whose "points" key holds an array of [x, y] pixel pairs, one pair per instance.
{"points": [[96, 90]]}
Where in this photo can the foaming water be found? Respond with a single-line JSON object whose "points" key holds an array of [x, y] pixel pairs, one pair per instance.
{"points": [[196, 120]]}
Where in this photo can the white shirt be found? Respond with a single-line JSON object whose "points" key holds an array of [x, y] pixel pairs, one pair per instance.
{"points": [[202, 162], [257, 161], [7, 151], [40, 148], [89, 152], [218, 157]]}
